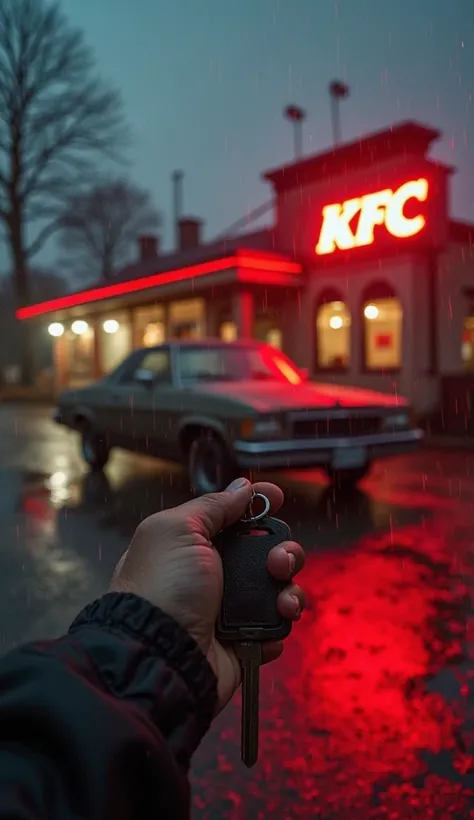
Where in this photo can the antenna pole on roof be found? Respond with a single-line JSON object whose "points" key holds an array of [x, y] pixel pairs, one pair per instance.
{"points": [[177, 177], [337, 92], [296, 115]]}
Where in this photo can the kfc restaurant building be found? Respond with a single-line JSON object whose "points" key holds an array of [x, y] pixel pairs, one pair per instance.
{"points": [[364, 279]]}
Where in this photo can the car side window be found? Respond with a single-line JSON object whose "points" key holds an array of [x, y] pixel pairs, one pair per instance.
{"points": [[155, 366], [200, 363]]}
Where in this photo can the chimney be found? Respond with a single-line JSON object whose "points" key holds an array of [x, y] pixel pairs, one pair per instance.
{"points": [[177, 177], [148, 245], [189, 233]]}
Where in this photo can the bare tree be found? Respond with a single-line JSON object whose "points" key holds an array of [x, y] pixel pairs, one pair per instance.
{"points": [[56, 117], [44, 285], [100, 227]]}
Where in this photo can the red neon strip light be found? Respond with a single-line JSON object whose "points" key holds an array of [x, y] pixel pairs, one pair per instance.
{"points": [[157, 279], [262, 263]]}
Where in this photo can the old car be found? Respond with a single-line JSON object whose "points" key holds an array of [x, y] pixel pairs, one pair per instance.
{"points": [[225, 408]]}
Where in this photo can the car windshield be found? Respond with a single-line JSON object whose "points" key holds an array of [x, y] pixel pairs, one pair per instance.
{"points": [[226, 363]]}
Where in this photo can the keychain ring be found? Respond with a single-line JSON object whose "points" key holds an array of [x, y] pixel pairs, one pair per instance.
{"points": [[252, 519]]}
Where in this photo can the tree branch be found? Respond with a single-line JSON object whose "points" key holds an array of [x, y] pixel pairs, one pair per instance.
{"points": [[103, 224], [56, 118], [44, 234]]}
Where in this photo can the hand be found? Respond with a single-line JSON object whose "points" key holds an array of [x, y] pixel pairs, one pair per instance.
{"points": [[172, 562]]}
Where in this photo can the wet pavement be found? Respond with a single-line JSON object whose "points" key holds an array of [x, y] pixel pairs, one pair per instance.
{"points": [[370, 712]]}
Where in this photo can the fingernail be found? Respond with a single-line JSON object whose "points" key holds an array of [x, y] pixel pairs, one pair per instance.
{"points": [[238, 484], [291, 562], [295, 599]]}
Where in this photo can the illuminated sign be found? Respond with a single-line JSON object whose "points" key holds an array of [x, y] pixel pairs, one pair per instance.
{"points": [[382, 208]]}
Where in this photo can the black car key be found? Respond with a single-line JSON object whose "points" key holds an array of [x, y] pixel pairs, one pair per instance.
{"points": [[249, 612]]}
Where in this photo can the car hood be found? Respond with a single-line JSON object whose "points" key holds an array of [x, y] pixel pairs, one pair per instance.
{"points": [[273, 396]]}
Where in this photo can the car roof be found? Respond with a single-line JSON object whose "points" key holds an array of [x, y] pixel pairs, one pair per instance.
{"points": [[195, 343]]}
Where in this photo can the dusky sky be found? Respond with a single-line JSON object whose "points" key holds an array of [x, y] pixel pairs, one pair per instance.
{"points": [[204, 83]]}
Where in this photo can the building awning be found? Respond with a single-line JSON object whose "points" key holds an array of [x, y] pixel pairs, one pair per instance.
{"points": [[242, 266]]}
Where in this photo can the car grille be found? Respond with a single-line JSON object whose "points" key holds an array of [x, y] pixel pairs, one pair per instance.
{"points": [[328, 427]]}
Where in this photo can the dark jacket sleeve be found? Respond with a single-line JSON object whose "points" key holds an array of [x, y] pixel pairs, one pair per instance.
{"points": [[101, 724]]}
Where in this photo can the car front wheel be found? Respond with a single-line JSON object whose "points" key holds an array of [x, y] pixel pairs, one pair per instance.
{"points": [[95, 451], [346, 480], [210, 465]]}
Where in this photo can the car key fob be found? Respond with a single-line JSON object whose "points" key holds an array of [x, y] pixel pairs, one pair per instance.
{"points": [[249, 609]]}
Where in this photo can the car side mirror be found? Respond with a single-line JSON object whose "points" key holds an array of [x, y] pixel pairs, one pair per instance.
{"points": [[144, 377]]}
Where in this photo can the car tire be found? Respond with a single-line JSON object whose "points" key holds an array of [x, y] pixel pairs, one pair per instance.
{"points": [[211, 466], [95, 451], [346, 480]]}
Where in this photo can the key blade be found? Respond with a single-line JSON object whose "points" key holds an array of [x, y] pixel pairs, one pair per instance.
{"points": [[250, 656], [250, 714]]}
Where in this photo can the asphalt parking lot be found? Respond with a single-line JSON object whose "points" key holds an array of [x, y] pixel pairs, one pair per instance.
{"points": [[370, 712]]}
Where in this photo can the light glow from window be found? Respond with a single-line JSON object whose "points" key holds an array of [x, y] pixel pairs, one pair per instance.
{"points": [[371, 312]]}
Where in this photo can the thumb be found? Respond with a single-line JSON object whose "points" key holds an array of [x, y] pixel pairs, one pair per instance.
{"points": [[215, 511]]}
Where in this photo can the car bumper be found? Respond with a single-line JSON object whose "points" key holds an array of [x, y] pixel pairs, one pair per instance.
{"points": [[324, 452]]}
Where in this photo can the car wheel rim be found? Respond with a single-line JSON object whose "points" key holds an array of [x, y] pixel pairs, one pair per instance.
{"points": [[207, 470]]}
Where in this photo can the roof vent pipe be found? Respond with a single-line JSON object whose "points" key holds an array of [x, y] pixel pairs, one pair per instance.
{"points": [[177, 178]]}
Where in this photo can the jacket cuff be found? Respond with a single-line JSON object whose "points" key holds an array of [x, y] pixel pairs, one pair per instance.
{"points": [[128, 615]]}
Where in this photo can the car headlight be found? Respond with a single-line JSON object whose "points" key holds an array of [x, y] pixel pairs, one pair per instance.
{"points": [[397, 421], [269, 427]]}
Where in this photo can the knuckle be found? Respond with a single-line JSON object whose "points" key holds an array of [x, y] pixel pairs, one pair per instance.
{"points": [[212, 499], [211, 507]]}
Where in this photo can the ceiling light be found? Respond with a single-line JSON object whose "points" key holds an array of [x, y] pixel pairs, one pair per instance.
{"points": [[56, 329], [79, 327], [110, 326]]}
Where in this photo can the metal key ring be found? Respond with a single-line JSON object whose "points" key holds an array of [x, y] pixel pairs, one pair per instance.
{"points": [[252, 519]]}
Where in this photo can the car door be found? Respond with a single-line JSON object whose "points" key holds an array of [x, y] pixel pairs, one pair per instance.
{"points": [[141, 398]]}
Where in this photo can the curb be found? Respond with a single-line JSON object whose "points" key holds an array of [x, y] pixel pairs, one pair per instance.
{"points": [[27, 399]]}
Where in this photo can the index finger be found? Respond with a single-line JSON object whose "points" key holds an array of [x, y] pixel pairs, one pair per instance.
{"points": [[211, 513], [272, 492]]}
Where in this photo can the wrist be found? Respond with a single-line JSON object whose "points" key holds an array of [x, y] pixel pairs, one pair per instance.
{"points": [[158, 636]]}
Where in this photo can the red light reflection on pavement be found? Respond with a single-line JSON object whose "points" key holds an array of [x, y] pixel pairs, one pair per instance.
{"points": [[35, 503], [355, 722]]}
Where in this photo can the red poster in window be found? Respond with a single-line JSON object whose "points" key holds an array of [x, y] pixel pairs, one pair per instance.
{"points": [[384, 340]]}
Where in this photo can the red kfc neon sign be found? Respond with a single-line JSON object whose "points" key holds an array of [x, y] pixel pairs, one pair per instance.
{"points": [[382, 208]]}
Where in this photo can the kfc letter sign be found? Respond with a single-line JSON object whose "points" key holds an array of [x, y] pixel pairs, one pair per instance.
{"points": [[383, 208]]}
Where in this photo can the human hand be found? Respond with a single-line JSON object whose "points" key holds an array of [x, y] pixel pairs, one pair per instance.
{"points": [[172, 563]]}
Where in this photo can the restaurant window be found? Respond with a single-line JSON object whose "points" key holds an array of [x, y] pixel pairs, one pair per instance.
{"points": [[333, 332], [154, 334], [266, 330], [382, 318], [187, 319], [80, 353], [115, 341], [275, 337], [150, 326], [228, 331], [467, 341]]}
